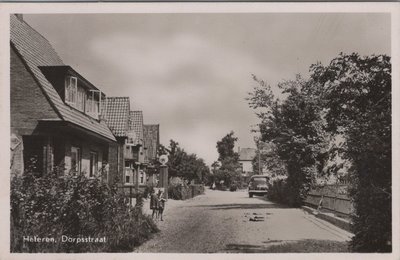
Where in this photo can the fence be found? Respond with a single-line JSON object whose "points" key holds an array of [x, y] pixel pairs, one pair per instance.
{"points": [[331, 197]]}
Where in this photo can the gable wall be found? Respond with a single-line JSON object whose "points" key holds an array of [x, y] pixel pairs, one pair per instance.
{"points": [[28, 102]]}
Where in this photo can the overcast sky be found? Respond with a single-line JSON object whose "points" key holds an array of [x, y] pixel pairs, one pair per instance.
{"points": [[190, 73]]}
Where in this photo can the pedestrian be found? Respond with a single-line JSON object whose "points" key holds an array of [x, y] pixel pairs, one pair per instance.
{"points": [[161, 205], [154, 203]]}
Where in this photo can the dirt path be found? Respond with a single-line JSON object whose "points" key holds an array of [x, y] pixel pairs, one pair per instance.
{"points": [[231, 222]]}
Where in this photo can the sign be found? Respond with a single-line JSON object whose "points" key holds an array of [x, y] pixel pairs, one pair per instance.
{"points": [[163, 159]]}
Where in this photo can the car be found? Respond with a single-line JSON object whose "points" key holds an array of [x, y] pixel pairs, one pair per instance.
{"points": [[258, 185]]}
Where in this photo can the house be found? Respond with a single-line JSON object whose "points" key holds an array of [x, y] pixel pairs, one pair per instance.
{"points": [[246, 156], [136, 167], [55, 111], [151, 138], [116, 114]]}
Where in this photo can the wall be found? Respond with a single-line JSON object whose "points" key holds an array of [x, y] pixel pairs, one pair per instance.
{"points": [[86, 148], [28, 103], [247, 166]]}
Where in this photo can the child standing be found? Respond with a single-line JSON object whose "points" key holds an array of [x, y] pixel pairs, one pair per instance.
{"points": [[161, 205]]}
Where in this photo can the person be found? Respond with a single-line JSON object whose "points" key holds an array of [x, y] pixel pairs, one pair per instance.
{"points": [[154, 203], [161, 205], [213, 186]]}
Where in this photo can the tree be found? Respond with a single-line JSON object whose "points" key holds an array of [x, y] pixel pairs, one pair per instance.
{"points": [[229, 170], [225, 147], [295, 127], [181, 164], [357, 93]]}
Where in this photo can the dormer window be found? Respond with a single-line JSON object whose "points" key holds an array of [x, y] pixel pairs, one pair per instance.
{"points": [[75, 95], [76, 91]]}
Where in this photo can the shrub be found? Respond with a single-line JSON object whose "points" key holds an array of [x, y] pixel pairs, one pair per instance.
{"points": [[179, 192], [53, 205]]}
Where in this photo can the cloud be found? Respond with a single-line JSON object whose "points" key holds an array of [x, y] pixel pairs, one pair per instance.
{"points": [[193, 87]]}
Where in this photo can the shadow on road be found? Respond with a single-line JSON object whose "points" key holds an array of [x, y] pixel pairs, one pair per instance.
{"points": [[242, 206], [290, 246]]}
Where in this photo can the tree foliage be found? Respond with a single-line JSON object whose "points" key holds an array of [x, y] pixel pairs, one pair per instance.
{"points": [[357, 92], [350, 98], [181, 164], [295, 127], [229, 167]]}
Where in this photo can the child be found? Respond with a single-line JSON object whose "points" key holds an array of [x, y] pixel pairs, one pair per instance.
{"points": [[154, 202], [161, 204]]}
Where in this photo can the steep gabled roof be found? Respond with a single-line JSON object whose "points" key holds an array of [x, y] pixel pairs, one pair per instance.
{"points": [[151, 135], [36, 51], [116, 112], [247, 154], [136, 124]]}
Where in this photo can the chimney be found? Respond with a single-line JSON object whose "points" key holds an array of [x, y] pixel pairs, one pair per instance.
{"points": [[20, 17]]}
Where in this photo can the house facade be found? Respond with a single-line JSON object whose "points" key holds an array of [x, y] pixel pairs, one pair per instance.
{"points": [[151, 138], [246, 156], [55, 111]]}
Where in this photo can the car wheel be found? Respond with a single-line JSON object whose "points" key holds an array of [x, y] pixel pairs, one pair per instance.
{"points": [[250, 195]]}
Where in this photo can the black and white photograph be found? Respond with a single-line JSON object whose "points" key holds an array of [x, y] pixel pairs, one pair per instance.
{"points": [[195, 131]]}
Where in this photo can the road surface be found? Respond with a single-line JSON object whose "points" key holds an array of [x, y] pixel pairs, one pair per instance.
{"points": [[223, 221]]}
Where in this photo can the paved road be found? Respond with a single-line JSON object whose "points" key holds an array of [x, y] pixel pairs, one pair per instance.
{"points": [[223, 222]]}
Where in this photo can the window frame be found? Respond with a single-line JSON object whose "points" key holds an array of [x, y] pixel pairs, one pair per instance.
{"points": [[71, 87], [78, 164]]}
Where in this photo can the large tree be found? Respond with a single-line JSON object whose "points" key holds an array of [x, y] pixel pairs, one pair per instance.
{"points": [[295, 127], [357, 93], [229, 170]]}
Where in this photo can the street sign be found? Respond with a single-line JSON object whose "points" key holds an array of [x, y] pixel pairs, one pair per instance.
{"points": [[163, 159]]}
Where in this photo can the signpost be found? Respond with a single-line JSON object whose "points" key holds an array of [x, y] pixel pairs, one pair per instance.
{"points": [[163, 183]]}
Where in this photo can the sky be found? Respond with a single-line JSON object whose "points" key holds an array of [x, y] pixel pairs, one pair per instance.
{"points": [[191, 73]]}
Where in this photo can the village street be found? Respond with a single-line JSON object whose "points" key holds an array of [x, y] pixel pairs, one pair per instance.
{"points": [[223, 221]]}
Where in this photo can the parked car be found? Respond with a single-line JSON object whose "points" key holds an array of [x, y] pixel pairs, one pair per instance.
{"points": [[258, 185]]}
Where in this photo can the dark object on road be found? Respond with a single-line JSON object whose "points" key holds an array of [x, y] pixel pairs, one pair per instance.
{"points": [[258, 185], [233, 187], [256, 218]]}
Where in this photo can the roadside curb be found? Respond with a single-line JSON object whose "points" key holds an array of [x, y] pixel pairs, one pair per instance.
{"points": [[339, 222]]}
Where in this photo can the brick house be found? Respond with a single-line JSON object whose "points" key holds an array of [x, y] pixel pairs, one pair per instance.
{"points": [[116, 114], [136, 166], [151, 138], [55, 111]]}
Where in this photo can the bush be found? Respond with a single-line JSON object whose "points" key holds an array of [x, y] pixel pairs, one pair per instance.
{"points": [[54, 205], [179, 192], [278, 191], [233, 187]]}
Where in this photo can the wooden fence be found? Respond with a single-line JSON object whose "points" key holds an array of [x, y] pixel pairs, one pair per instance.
{"points": [[331, 197]]}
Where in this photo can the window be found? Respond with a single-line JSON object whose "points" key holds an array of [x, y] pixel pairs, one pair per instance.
{"points": [[93, 164], [129, 173], [71, 89], [92, 105], [75, 160], [141, 177], [80, 100]]}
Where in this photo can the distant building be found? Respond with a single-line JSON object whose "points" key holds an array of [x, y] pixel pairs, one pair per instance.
{"points": [[55, 111], [151, 137], [135, 168], [246, 156]]}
